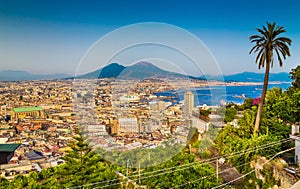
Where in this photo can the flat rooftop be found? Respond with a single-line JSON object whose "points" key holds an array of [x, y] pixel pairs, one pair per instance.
{"points": [[28, 109]]}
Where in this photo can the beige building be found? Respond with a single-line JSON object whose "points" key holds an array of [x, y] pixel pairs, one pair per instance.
{"points": [[27, 112], [3, 110], [188, 103], [128, 125], [114, 126]]}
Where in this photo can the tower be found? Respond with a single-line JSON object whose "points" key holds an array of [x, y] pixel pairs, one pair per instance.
{"points": [[188, 103]]}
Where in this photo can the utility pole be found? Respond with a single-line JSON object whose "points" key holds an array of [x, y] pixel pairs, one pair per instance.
{"points": [[139, 173], [217, 169], [127, 167]]}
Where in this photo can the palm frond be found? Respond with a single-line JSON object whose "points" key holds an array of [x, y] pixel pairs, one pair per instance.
{"points": [[262, 60], [259, 55], [279, 58], [284, 40], [268, 41]]}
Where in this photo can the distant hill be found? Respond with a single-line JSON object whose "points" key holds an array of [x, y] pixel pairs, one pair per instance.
{"points": [[140, 70], [16, 75], [252, 77], [112, 70]]}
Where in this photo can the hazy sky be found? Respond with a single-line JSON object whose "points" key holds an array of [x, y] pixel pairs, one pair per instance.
{"points": [[53, 36]]}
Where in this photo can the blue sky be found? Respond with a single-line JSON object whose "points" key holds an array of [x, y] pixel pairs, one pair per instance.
{"points": [[52, 36]]}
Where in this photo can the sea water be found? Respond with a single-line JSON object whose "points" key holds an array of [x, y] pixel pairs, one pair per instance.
{"points": [[215, 95]]}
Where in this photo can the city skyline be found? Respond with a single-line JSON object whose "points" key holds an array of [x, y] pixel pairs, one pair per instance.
{"points": [[149, 94], [52, 37]]}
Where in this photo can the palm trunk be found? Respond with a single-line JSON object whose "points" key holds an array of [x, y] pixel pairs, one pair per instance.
{"points": [[262, 99]]}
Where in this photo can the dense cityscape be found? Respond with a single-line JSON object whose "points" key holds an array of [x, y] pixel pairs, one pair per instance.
{"points": [[149, 94], [39, 119], [40, 116]]}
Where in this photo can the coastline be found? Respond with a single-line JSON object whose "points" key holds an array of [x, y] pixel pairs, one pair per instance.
{"points": [[183, 84]]}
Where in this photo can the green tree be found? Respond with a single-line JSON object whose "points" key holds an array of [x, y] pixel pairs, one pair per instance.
{"points": [[20, 181], [234, 140], [83, 166], [247, 103], [295, 76], [205, 112], [230, 114], [4, 182], [179, 174], [266, 44], [282, 108], [246, 122]]}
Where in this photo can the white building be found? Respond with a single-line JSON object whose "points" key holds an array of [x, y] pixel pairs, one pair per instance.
{"points": [[96, 130], [202, 126], [295, 135], [129, 98], [151, 125]]}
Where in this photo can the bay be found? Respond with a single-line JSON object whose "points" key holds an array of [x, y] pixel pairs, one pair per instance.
{"points": [[214, 95]]}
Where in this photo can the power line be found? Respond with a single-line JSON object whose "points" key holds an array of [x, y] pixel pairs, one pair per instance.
{"points": [[141, 178], [213, 159], [189, 165], [205, 177], [281, 152], [131, 176], [91, 184], [172, 171], [189, 182], [227, 155], [107, 185], [259, 147]]}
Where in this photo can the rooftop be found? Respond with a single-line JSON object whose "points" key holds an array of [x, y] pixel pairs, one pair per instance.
{"points": [[34, 155], [8, 147], [28, 109]]}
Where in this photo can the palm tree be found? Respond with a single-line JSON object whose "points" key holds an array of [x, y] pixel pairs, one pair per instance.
{"points": [[266, 44]]}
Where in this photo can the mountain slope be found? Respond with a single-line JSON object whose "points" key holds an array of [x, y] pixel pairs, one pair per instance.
{"points": [[140, 70], [112, 70]]}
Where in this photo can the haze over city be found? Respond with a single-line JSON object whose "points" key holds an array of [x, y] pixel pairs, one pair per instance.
{"points": [[51, 37]]}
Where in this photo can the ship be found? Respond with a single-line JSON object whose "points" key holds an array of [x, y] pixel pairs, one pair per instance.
{"points": [[239, 96]]}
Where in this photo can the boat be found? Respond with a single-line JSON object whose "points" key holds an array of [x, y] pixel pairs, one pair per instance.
{"points": [[258, 89], [239, 96]]}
